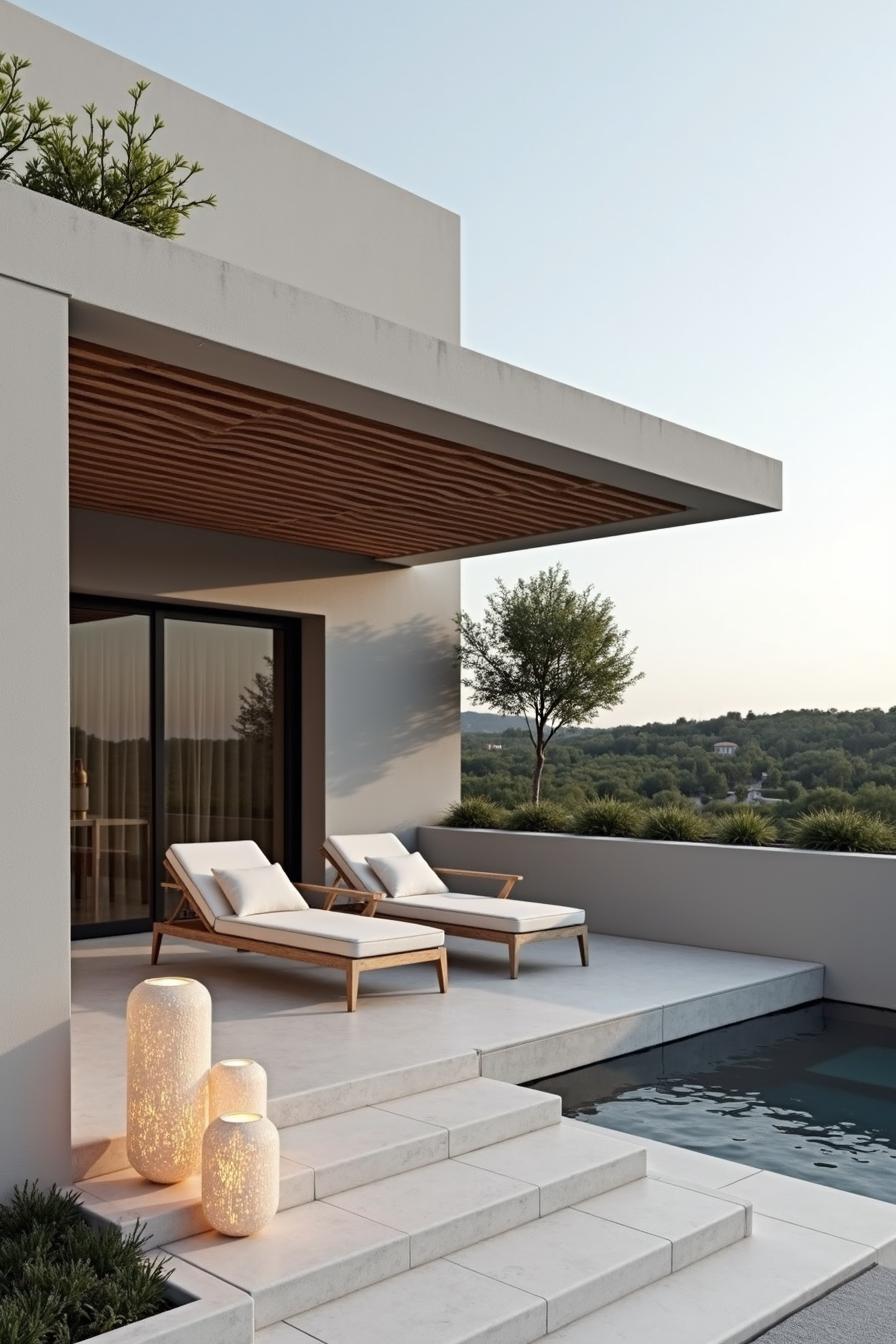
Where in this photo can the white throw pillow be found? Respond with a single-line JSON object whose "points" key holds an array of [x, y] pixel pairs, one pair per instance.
{"points": [[407, 875], [259, 891]]}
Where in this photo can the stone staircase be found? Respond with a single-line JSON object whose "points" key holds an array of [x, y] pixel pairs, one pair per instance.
{"points": [[470, 1212]]}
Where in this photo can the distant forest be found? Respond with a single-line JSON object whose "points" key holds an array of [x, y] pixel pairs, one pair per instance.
{"points": [[803, 758]]}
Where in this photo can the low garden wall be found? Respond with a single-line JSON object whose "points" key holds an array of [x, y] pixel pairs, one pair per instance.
{"points": [[839, 909]]}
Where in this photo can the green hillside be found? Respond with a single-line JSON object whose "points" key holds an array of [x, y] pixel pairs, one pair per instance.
{"points": [[807, 756]]}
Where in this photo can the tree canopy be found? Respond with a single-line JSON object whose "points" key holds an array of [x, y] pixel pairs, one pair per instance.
{"points": [[547, 652]]}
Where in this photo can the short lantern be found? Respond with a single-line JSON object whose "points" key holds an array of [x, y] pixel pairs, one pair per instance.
{"points": [[169, 1023], [240, 1173], [237, 1086]]}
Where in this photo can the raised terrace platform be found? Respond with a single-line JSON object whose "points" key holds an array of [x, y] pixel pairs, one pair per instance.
{"points": [[406, 1037], [426, 1197]]}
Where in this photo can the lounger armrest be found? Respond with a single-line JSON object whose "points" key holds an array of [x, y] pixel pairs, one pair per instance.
{"points": [[369, 899], [509, 879]]}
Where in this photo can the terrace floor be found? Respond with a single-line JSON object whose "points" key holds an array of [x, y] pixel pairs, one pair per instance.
{"points": [[405, 1036]]}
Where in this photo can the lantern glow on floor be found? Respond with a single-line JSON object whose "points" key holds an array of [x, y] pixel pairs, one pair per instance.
{"points": [[240, 1173], [169, 1025], [237, 1086]]}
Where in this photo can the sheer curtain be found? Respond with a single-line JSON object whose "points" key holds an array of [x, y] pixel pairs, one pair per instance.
{"points": [[219, 708], [109, 688]]}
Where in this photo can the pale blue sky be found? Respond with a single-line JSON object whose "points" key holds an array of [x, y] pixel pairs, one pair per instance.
{"points": [[686, 205]]}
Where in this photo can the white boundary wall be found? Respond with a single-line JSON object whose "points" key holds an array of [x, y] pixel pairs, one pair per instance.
{"points": [[838, 909], [34, 778]]}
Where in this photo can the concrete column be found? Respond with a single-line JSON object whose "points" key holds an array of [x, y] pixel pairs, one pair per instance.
{"points": [[35, 1119]]}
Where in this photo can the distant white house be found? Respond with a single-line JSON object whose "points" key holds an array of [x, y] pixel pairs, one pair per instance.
{"points": [[495, 746], [725, 748]]}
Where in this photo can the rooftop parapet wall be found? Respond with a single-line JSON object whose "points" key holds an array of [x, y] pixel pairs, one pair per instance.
{"points": [[285, 209]]}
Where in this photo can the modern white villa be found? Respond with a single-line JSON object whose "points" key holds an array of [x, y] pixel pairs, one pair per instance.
{"points": [[240, 473]]}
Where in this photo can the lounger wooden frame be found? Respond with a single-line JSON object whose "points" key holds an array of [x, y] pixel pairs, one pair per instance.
{"points": [[188, 921], [377, 903]]}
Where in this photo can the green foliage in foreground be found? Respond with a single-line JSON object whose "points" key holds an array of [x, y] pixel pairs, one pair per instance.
{"points": [[849, 831], [538, 817], [609, 816], [475, 813], [745, 826], [64, 1280], [674, 821]]}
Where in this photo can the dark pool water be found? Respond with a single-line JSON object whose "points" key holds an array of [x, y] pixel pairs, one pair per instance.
{"points": [[810, 1092]]}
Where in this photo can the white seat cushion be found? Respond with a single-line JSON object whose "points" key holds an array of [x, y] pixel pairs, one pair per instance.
{"points": [[259, 891], [331, 931], [486, 912], [352, 851], [194, 862], [407, 875]]}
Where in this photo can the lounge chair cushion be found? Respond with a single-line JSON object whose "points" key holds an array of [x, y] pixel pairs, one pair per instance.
{"points": [[259, 891], [486, 912], [407, 875], [331, 931], [194, 862], [352, 851]]}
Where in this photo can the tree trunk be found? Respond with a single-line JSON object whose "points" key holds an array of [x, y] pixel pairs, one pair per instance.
{"points": [[537, 772]]}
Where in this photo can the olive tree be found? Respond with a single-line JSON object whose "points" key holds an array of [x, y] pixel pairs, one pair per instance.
{"points": [[547, 652]]}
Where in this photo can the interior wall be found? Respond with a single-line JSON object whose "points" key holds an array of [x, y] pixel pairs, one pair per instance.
{"points": [[34, 779], [324, 225], [381, 702]]}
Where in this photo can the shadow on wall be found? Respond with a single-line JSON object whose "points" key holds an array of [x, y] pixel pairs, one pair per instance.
{"points": [[391, 693]]}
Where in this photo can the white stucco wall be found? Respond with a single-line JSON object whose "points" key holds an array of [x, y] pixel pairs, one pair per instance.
{"points": [[838, 909], [285, 208], [391, 694], [34, 778]]}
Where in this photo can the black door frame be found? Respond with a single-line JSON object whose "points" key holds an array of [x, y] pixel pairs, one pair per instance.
{"points": [[287, 667]]}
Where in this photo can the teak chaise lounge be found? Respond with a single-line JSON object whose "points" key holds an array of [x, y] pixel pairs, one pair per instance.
{"points": [[496, 919], [348, 942]]}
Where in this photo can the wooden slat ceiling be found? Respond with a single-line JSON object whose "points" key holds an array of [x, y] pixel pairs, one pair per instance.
{"points": [[156, 441]]}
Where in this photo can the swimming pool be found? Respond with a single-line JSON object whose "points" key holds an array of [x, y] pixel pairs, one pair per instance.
{"points": [[810, 1092]]}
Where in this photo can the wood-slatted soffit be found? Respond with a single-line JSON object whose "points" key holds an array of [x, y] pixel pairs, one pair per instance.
{"points": [[155, 441]]}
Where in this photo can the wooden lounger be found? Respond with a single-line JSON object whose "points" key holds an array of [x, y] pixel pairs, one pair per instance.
{"points": [[495, 919], [347, 942]]}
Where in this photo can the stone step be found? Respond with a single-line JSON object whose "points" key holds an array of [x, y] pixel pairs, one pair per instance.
{"points": [[311, 1255], [568, 1162], [536, 1278], [169, 1212], [373, 1142], [307, 1255], [732, 1296], [479, 1111]]}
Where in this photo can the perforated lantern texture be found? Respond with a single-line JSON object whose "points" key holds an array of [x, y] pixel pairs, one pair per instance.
{"points": [[169, 1022], [240, 1174], [237, 1087]]}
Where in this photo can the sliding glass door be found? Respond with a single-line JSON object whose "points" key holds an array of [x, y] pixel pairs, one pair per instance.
{"points": [[181, 731]]}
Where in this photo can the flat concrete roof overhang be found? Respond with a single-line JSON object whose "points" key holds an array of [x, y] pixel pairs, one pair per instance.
{"points": [[214, 397]]}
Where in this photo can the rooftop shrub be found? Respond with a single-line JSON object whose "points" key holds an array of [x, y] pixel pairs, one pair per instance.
{"points": [[475, 813], [744, 826], [675, 821], [541, 816], [846, 830], [608, 816], [62, 1279], [109, 166]]}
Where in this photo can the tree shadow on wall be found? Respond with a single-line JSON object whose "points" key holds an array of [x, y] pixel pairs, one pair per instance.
{"points": [[390, 693]]}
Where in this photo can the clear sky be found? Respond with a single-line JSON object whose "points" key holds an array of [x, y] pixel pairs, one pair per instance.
{"points": [[685, 205]]}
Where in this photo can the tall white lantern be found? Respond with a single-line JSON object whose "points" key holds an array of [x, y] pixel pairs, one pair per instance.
{"points": [[240, 1174], [237, 1086], [169, 1022]]}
